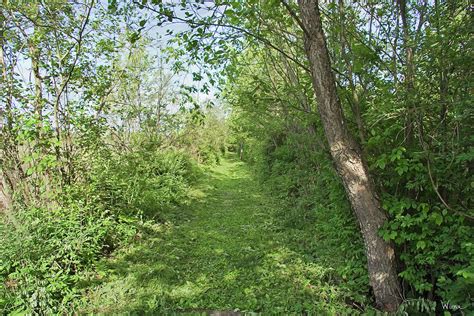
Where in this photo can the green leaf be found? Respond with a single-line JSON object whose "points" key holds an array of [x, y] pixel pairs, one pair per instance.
{"points": [[437, 218], [420, 244]]}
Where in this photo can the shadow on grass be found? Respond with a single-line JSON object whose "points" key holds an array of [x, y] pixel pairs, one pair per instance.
{"points": [[223, 252]]}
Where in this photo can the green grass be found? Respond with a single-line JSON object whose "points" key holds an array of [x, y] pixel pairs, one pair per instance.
{"points": [[226, 251]]}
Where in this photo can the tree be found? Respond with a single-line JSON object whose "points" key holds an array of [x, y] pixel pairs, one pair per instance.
{"points": [[345, 151], [349, 162]]}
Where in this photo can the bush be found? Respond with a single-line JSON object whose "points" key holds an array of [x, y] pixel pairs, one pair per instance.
{"points": [[48, 256], [434, 241], [317, 210]]}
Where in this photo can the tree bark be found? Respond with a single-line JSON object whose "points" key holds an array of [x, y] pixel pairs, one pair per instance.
{"points": [[350, 164], [10, 165]]}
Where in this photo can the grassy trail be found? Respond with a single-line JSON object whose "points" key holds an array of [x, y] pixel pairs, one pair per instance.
{"points": [[223, 252]]}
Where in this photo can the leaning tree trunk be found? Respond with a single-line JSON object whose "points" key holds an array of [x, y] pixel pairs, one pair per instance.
{"points": [[350, 165]]}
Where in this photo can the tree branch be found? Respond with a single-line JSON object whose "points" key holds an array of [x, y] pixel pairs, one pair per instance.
{"points": [[244, 31]]}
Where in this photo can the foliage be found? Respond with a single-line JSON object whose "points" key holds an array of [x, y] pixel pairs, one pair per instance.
{"points": [[437, 252], [413, 129], [102, 134], [317, 210], [45, 259], [295, 168], [234, 255], [140, 183], [50, 254], [205, 135]]}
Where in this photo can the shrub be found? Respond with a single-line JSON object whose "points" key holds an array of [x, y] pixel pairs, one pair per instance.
{"points": [[317, 211], [46, 257], [49, 255], [434, 241]]}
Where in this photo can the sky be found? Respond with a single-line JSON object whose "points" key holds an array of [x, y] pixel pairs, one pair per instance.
{"points": [[159, 40], [158, 35]]}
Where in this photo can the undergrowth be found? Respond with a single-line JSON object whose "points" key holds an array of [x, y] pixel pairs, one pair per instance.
{"points": [[49, 253]]}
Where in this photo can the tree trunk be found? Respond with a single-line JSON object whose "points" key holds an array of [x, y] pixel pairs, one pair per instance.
{"points": [[9, 162], [350, 165]]}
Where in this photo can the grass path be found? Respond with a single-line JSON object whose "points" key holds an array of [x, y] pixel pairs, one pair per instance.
{"points": [[223, 252]]}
